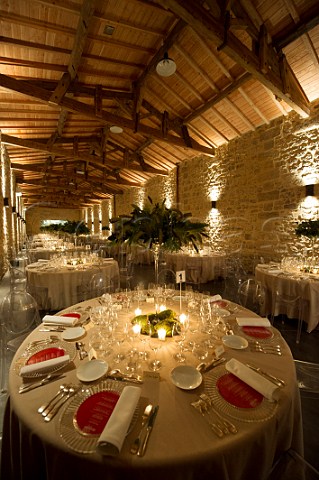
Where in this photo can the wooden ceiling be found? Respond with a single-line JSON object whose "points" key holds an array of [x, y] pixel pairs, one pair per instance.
{"points": [[72, 69]]}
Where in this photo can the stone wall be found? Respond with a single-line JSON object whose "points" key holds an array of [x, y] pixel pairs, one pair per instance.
{"points": [[35, 214], [258, 182]]}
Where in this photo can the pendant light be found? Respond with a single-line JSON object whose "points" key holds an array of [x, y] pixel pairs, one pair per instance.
{"points": [[166, 67]]}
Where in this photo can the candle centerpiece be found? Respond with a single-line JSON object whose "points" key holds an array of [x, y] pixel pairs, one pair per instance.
{"points": [[152, 323]]}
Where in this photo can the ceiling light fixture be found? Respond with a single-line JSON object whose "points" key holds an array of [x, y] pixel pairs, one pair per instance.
{"points": [[166, 67], [116, 129]]}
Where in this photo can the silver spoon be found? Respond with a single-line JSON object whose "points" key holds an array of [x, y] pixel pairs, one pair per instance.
{"points": [[47, 405]]}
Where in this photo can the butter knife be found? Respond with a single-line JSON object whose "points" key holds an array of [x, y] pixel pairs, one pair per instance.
{"points": [[149, 429]]}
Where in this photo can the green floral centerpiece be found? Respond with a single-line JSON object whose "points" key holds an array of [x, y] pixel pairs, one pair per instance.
{"points": [[157, 224], [158, 227], [150, 324]]}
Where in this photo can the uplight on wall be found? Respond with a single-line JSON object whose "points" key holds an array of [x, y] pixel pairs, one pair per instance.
{"points": [[310, 190], [214, 204], [6, 202]]}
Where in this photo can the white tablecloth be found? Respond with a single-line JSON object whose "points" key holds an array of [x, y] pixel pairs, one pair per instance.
{"points": [[62, 285], [306, 286], [198, 268], [182, 445]]}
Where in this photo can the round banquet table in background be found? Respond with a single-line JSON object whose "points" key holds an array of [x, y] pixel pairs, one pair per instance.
{"points": [[304, 285], [182, 445], [198, 268], [61, 285]]}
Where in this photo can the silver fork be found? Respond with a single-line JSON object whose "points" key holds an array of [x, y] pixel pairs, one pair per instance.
{"points": [[229, 425], [35, 343], [200, 407]]}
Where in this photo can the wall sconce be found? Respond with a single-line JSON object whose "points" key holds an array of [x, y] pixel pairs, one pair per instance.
{"points": [[214, 204], [6, 202], [13, 209], [310, 190]]}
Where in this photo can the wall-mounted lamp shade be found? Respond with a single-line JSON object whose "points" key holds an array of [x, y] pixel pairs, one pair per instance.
{"points": [[310, 190], [214, 204], [166, 67], [6, 202]]}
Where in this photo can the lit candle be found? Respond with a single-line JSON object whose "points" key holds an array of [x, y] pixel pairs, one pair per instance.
{"points": [[138, 311], [162, 308], [161, 333], [182, 318], [137, 328]]}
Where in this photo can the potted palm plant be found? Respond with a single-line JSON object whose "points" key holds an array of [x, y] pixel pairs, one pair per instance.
{"points": [[158, 227]]}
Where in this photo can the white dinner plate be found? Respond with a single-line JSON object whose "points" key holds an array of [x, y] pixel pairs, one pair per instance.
{"points": [[73, 333], [92, 370], [235, 341], [186, 377]]}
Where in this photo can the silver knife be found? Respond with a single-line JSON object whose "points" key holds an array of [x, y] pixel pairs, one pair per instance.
{"points": [[149, 429], [44, 381], [272, 378]]}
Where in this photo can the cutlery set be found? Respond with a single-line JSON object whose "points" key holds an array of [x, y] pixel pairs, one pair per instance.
{"points": [[277, 381], [140, 443], [220, 426], [265, 348], [50, 409]]}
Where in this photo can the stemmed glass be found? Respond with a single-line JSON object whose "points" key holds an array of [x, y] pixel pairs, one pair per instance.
{"points": [[155, 345], [180, 329], [118, 338]]}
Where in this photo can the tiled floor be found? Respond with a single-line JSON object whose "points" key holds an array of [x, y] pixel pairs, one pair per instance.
{"points": [[307, 350]]}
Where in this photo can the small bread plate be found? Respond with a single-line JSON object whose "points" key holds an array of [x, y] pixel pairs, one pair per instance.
{"points": [[186, 377], [73, 333], [92, 370], [235, 341]]}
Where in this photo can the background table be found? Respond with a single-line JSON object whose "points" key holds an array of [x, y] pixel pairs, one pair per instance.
{"points": [[182, 444], [304, 285], [62, 284], [198, 268]]}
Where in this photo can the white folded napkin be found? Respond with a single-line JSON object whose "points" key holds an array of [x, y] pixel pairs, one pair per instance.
{"points": [[46, 365], [253, 379], [113, 435], [253, 322], [214, 298], [59, 320]]}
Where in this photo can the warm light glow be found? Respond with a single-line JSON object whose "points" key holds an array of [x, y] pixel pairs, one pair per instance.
{"points": [[162, 308], [182, 318], [136, 328], [137, 311], [161, 333]]}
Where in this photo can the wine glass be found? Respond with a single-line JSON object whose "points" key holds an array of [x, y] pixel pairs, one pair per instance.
{"points": [[179, 329], [155, 345]]}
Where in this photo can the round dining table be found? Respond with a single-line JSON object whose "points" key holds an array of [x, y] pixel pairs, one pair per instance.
{"points": [[63, 285], [199, 268], [293, 284], [182, 444]]}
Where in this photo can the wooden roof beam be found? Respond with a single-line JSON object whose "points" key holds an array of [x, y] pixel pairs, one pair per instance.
{"points": [[204, 23], [106, 118]]}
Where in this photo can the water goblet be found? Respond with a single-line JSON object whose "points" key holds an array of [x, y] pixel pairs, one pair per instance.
{"points": [[155, 345]]}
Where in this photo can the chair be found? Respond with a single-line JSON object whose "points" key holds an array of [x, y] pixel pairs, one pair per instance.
{"points": [[41, 295], [291, 466], [307, 376], [289, 303], [166, 277], [19, 315], [251, 295], [18, 278], [126, 268], [99, 284]]}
